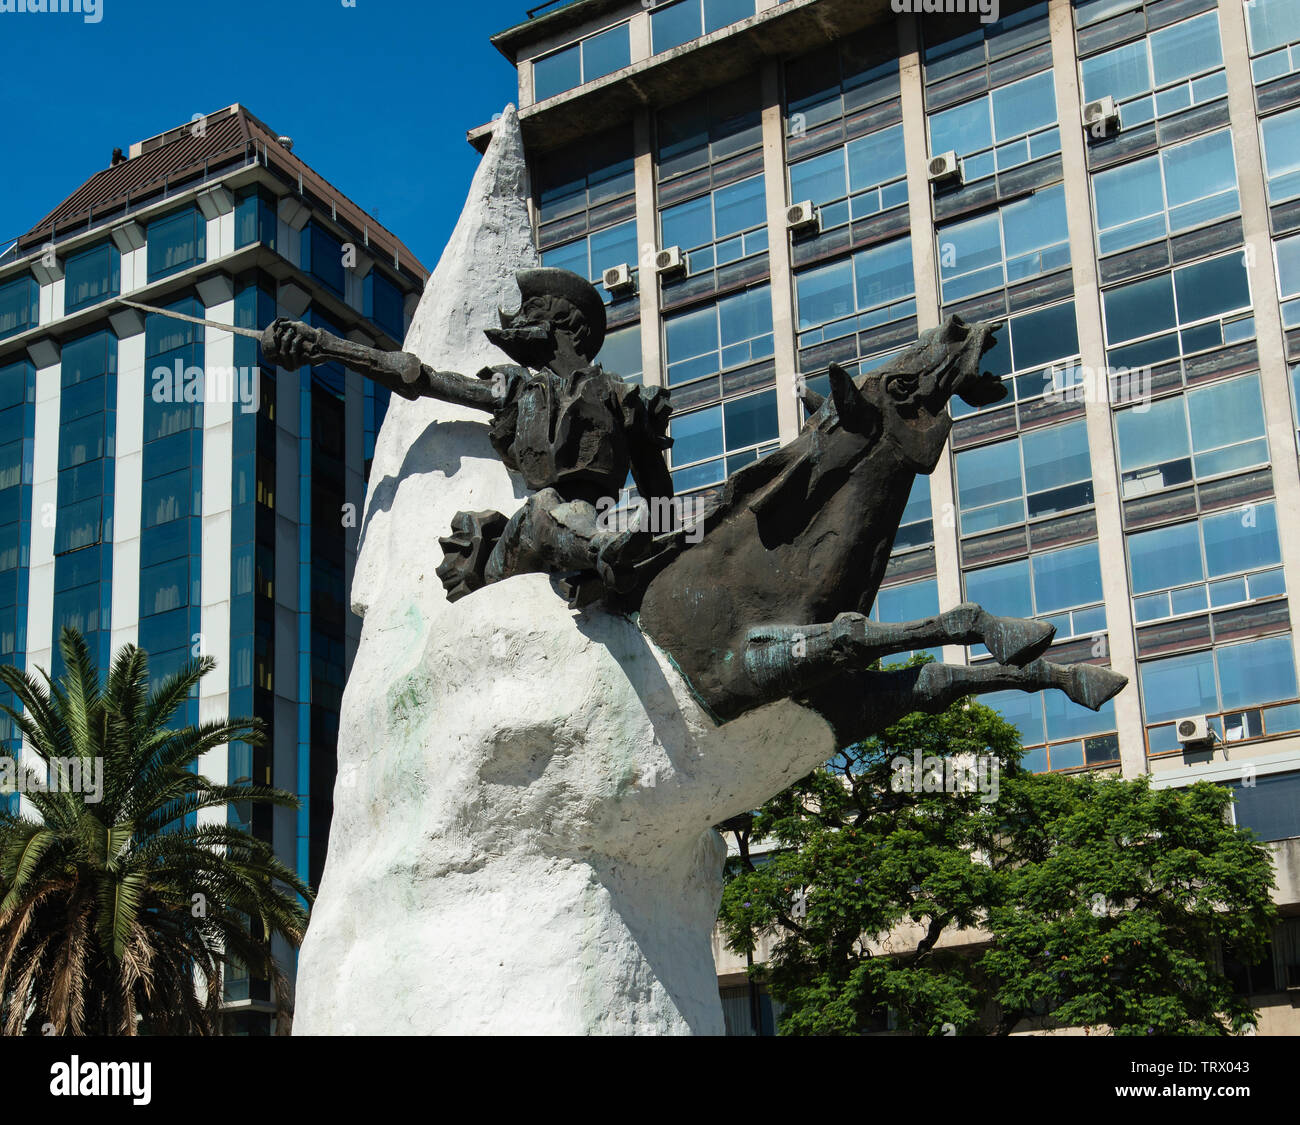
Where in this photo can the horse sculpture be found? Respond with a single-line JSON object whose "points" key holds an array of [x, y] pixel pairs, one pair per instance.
{"points": [[802, 536]]}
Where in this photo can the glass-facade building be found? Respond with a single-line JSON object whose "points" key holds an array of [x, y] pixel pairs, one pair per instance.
{"points": [[1143, 256], [159, 485]]}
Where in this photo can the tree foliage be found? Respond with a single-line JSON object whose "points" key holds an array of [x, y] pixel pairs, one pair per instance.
{"points": [[127, 906], [1098, 902]]}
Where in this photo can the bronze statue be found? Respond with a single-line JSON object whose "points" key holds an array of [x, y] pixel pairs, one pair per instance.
{"points": [[772, 600], [572, 430]]}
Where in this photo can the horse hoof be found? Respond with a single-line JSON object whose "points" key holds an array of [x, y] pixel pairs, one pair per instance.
{"points": [[1018, 641], [1092, 686]]}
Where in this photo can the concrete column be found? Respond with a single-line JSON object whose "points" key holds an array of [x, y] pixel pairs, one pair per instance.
{"points": [[943, 496], [647, 232], [778, 254], [1092, 350], [128, 473], [214, 577], [1274, 377]]}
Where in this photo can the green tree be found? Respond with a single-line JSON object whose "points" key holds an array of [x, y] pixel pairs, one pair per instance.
{"points": [[113, 908], [1099, 901]]}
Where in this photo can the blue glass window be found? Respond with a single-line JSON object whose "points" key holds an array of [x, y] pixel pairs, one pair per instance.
{"points": [[385, 304], [916, 528], [1205, 432], [731, 332], [1178, 188], [1037, 474], [255, 218], [1179, 313], [592, 58], [1007, 127], [871, 288], [741, 428], [591, 256], [177, 242], [866, 176], [322, 256], [1281, 134], [92, 276], [1226, 558], [1170, 70], [621, 353], [1274, 30], [725, 226], [1249, 674], [19, 306], [1018, 241]]}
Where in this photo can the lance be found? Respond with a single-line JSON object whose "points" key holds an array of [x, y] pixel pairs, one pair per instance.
{"points": [[401, 372]]}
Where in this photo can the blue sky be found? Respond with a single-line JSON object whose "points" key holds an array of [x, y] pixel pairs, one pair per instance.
{"points": [[377, 97]]}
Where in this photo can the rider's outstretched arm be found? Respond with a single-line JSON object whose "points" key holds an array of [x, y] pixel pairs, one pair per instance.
{"points": [[291, 344]]}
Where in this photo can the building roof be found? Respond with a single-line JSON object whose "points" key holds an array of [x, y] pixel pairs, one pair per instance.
{"points": [[553, 20], [187, 156]]}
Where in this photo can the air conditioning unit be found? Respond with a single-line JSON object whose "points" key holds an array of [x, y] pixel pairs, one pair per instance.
{"points": [[670, 261], [618, 279], [1101, 118], [802, 217], [1194, 730], [945, 168]]}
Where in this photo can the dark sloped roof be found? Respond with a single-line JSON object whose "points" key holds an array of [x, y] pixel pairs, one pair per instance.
{"points": [[173, 161]]}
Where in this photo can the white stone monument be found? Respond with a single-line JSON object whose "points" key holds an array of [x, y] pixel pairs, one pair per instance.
{"points": [[522, 836]]}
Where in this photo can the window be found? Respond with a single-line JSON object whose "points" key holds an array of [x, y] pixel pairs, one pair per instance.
{"points": [[1056, 733], [841, 78], [743, 429], [1287, 252], [1017, 241], [1169, 70], [1178, 188], [1229, 684], [733, 331], [1034, 353], [916, 528], [947, 53], [1223, 559], [1061, 587], [720, 228], [384, 304], [322, 256], [592, 58], [1036, 474], [709, 128], [591, 256], [92, 276], [1270, 805], [255, 217], [1178, 313], [1282, 154], [1009, 126], [675, 24], [1273, 27], [872, 287], [177, 242], [19, 306], [861, 178], [1203, 433], [621, 353], [579, 177], [1088, 12]]}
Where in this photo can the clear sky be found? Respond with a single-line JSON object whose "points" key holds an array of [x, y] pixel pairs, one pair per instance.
{"points": [[377, 97]]}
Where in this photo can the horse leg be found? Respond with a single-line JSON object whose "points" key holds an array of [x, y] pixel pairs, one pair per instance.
{"points": [[871, 700], [791, 657]]}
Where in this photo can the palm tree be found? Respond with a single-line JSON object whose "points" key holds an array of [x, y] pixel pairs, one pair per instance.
{"points": [[116, 915]]}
